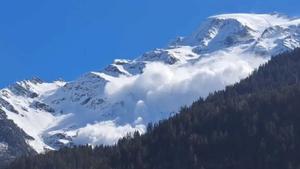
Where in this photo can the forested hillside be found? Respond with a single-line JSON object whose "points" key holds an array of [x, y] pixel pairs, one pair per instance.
{"points": [[251, 125]]}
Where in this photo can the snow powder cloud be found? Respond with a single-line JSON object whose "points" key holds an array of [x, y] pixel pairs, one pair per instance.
{"points": [[162, 89]]}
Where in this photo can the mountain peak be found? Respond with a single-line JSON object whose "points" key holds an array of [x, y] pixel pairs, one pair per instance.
{"points": [[252, 16], [230, 30], [127, 94]]}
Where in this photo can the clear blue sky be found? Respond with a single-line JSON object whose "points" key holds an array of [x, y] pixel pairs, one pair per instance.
{"points": [[65, 38]]}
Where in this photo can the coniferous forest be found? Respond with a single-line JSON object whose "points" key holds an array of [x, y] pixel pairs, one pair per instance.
{"points": [[254, 124]]}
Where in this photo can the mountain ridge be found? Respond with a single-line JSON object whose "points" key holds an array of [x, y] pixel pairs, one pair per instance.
{"points": [[124, 97]]}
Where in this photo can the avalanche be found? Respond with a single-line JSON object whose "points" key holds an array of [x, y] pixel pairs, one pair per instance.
{"points": [[100, 107]]}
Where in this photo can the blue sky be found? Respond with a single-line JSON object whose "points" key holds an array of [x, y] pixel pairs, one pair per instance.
{"points": [[65, 38]]}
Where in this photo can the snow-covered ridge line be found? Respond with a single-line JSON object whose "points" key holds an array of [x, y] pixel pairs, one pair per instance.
{"points": [[100, 107]]}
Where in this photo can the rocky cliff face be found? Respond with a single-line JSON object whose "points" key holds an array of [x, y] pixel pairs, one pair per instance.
{"points": [[12, 141]]}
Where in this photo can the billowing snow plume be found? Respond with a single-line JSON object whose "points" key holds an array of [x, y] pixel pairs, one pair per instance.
{"points": [[106, 132], [162, 89], [101, 107]]}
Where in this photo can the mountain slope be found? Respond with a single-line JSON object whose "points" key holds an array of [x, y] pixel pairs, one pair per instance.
{"points": [[12, 135], [101, 107], [253, 124]]}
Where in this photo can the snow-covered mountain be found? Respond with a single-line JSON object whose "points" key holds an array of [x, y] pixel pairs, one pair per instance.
{"points": [[101, 106]]}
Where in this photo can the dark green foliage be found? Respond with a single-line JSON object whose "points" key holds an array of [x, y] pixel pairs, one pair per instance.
{"points": [[252, 125]]}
